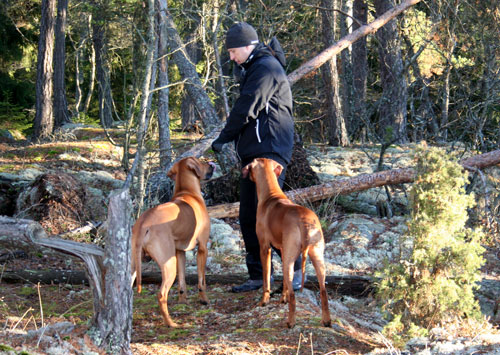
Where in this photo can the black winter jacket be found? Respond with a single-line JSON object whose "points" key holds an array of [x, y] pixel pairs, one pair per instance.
{"points": [[261, 122]]}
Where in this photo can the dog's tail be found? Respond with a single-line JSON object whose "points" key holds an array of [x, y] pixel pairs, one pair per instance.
{"points": [[136, 265], [303, 266]]}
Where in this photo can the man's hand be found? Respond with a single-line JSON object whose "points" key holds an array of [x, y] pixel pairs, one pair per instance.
{"points": [[217, 146]]}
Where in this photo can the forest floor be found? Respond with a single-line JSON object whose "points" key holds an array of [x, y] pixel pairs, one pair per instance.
{"points": [[230, 324]]}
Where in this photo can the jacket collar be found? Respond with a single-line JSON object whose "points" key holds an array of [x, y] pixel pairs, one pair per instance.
{"points": [[260, 50]]}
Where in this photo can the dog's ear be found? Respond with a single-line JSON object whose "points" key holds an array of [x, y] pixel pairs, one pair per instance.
{"points": [[194, 165], [173, 171], [277, 168], [245, 171]]}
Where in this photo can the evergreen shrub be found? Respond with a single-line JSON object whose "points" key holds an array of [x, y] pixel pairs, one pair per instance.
{"points": [[439, 260]]}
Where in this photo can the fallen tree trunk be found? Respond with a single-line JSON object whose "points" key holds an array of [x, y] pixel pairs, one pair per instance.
{"points": [[352, 285], [357, 183]]}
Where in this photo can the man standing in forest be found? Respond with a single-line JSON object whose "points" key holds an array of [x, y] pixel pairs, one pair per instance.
{"points": [[261, 125]]}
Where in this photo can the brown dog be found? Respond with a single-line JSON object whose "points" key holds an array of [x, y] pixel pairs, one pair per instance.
{"points": [[289, 227], [167, 231]]}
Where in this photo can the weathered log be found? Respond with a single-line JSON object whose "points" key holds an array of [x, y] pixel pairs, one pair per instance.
{"points": [[46, 277], [357, 183], [352, 285]]}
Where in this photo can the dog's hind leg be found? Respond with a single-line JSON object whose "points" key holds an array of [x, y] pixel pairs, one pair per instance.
{"points": [[168, 268], [181, 274], [201, 260], [288, 293], [265, 259], [316, 256], [163, 252]]}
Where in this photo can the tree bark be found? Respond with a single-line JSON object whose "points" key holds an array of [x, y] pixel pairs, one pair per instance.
{"points": [[337, 132], [108, 271], [92, 77], [164, 141], [392, 110], [449, 45], [142, 124], [187, 69], [359, 69], [189, 114], [102, 68], [112, 324], [357, 183], [61, 113], [424, 117], [44, 116], [346, 27]]}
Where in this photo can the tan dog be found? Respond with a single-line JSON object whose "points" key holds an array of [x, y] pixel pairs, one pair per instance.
{"points": [[167, 231], [289, 227]]}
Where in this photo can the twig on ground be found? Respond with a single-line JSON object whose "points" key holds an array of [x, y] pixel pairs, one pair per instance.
{"points": [[19, 321], [41, 305]]}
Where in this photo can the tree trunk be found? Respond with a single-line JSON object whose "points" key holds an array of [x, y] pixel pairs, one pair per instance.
{"points": [[108, 270], [44, 119], [221, 82], [189, 115], [61, 114], [112, 324], [449, 47], [337, 132], [198, 94], [142, 125], [424, 117], [92, 61], [188, 72], [359, 69], [102, 68], [78, 76], [346, 27], [357, 183], [164, 141], [392, 111]]}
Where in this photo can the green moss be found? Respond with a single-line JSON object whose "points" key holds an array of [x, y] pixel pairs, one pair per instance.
{"points": [[202, 312], [7, 168], [27, 291], [4, 347], [176, 334]]}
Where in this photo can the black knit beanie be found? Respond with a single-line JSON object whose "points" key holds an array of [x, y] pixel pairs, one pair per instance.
{"points": [[241, 34]]}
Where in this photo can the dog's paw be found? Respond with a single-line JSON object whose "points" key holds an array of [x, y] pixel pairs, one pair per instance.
{"points": [[172, 324], [203, 298]]}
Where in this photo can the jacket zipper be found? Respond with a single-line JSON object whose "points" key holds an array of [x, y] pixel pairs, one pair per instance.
{"points": [[257, 131], [257, 124]]}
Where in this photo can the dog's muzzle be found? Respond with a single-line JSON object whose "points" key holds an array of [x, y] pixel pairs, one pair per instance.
{"points": [[214, 167]]}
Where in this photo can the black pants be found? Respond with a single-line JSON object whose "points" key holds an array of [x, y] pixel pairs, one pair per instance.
{"points": [[248, 216]]}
